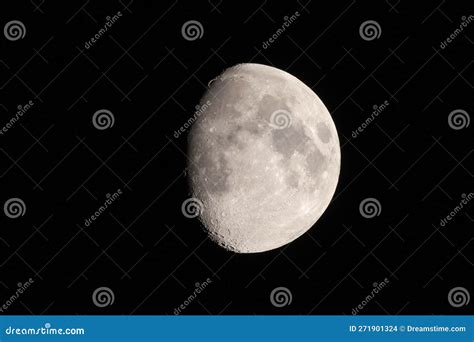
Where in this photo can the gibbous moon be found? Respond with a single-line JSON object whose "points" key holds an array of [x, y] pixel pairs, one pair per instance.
{"points": [[264, 158]]}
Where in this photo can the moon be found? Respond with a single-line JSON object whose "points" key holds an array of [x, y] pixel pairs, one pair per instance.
{"points": [[263, 158]]}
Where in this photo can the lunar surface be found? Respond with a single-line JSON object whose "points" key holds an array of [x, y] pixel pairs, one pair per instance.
{"points": [[264, 158]]}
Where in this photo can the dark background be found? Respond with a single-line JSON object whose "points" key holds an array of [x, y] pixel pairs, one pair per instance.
{"points": [[151, 78]]}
